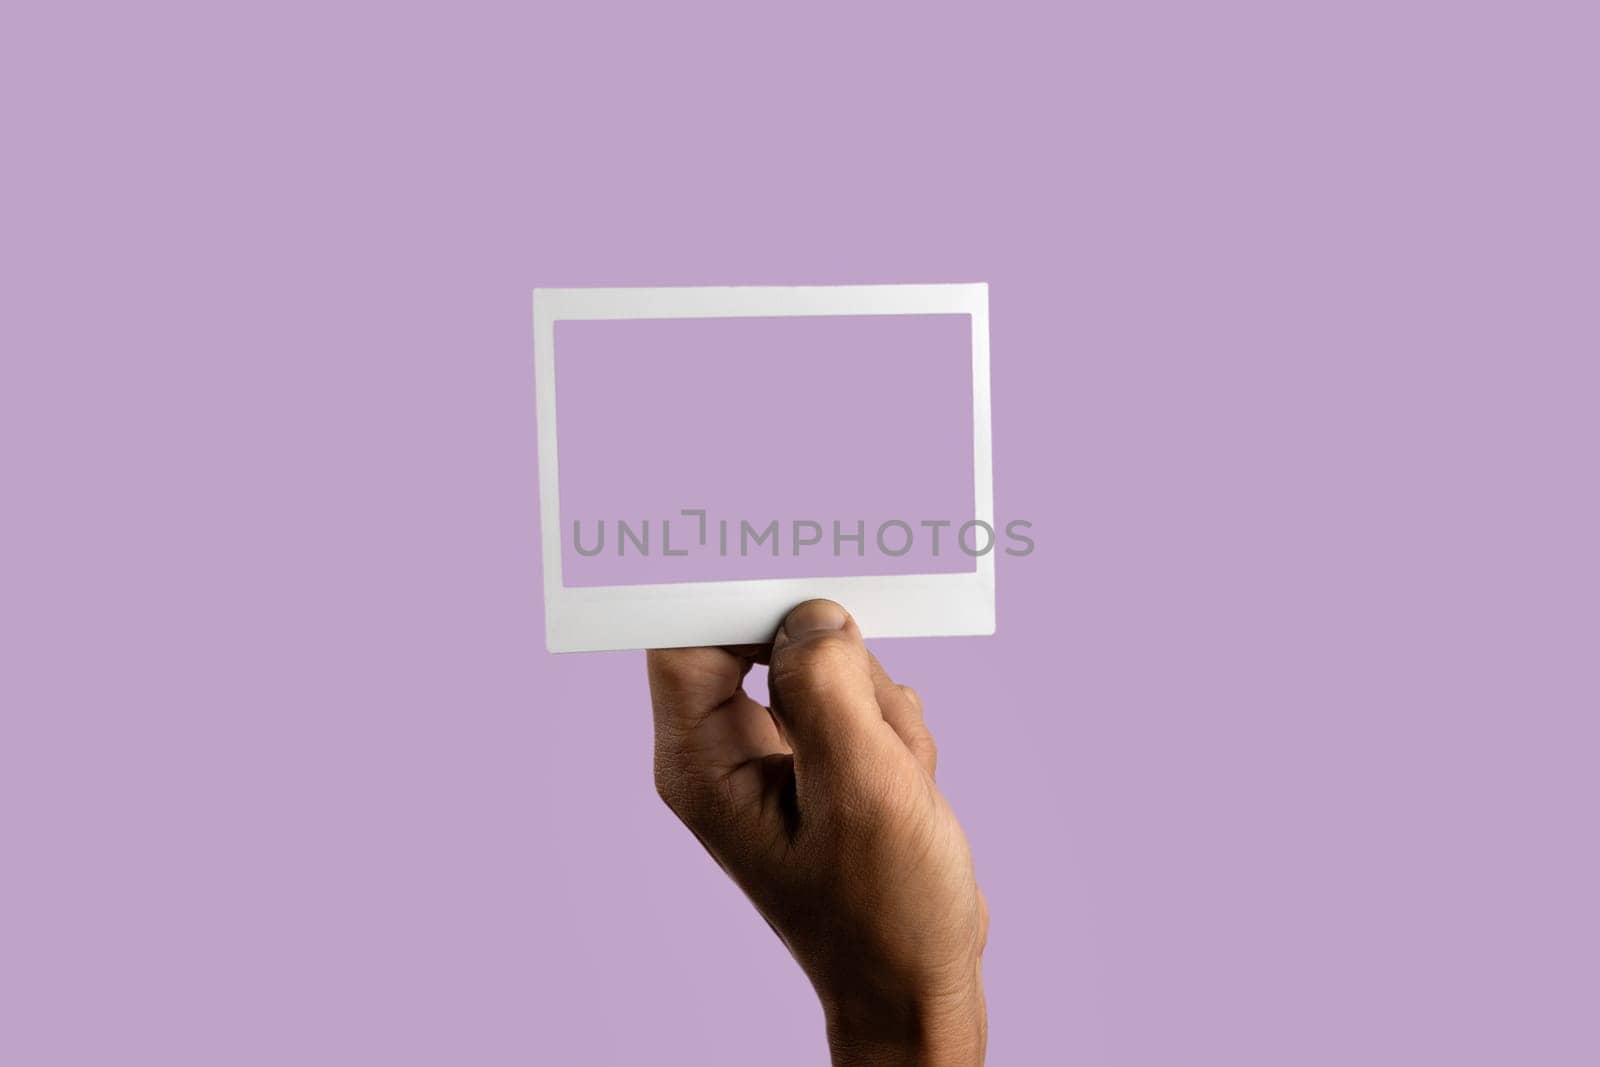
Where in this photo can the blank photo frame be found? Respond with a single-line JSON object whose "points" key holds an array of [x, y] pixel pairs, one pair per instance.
{"points": [[678, 614]]}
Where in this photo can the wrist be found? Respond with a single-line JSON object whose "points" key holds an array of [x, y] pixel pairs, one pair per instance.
{"points": [[941, 1031]]}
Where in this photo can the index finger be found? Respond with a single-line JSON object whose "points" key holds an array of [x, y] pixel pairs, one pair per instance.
{"points": [[687, 684]]}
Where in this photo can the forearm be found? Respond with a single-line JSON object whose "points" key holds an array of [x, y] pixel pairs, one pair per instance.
{"points": [[948, 1033]]}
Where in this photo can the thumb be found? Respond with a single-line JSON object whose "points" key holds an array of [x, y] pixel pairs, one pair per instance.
{"points": [[820, 678]]}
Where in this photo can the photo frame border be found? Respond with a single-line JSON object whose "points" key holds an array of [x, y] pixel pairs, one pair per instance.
{"points": [[749, 611]]}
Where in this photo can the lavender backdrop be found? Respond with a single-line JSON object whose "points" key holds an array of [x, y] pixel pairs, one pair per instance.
{"points": [[1284, 754], [841, 418]]}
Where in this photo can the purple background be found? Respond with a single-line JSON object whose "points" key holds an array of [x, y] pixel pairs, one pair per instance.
{"points": [[1284, 752], [857, 420]]}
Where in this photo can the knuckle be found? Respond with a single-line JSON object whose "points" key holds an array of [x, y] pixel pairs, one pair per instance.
{"points": [[667, 789], [813, 663], [874, 797], [674, 789]]}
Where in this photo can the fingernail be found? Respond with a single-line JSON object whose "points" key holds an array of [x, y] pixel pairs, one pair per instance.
{"points": [[814, 616]]}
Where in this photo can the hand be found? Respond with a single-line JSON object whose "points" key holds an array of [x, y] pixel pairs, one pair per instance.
{"points": [[825, 812]]}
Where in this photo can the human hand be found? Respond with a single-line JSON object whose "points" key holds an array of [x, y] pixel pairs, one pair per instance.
{"points": [[824, 811]]}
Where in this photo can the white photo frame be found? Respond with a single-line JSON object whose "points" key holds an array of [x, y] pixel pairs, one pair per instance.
{"points": [[749, 611]]}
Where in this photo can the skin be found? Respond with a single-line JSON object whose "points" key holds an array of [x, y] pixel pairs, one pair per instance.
{"points": [[824, 811]]}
